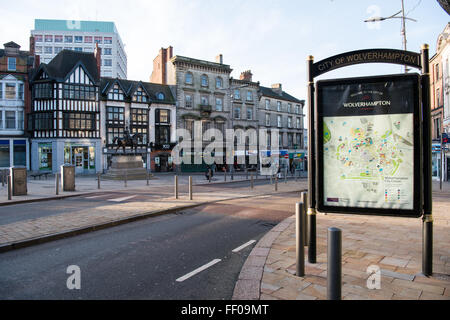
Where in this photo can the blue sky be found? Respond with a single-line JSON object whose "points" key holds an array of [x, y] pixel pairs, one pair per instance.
{"points": [[271, 38]]}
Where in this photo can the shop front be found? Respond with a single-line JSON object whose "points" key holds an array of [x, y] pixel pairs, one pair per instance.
{"points": [[82, 156], [161, 157], [13, 152]]}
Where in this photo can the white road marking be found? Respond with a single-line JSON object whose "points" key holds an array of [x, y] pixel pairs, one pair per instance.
{"points": [[206, 266], [244, 245], [121, 199], [93, 197]]}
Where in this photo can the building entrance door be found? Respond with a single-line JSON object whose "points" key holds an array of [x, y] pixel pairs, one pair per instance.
{"points": [[79, 160]]}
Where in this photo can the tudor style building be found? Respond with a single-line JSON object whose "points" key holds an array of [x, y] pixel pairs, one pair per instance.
{"points": [[139, 107], [15, 66], [64, 122]]}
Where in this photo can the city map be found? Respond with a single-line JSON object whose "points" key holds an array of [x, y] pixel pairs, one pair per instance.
{"points": [[368, 161]]}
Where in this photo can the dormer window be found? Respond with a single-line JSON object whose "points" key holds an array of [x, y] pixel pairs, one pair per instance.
{"points": [[160, 96], [115, 93], [140, 95]]}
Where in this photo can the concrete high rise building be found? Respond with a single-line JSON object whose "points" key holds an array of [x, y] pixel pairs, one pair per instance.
{"points": [[52, 36]]}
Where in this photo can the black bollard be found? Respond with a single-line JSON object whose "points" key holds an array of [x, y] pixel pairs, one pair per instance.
{"points": [[300, 238], [334, 269]]}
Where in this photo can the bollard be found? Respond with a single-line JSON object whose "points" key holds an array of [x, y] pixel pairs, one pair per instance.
{"points": [[232, 175], [304, 200], [3, 178], [334, 268], [246, 174], [276, 183], [285, 176], [225, 175], [176, 187], [427, 245], [271, 182], [190, 188], [251, 180], [57, 183], [125, 178], [98, 180], [209, 175], [9, 188], [300, 238], [148, 177]]}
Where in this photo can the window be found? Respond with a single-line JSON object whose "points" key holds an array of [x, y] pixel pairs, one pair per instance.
{"points": [[68, 39], [107, 51], [48, 50], [249, 96], [38, 37], [219, 83], [115, 115], [58, 38], [297, 109], [162, 116], [38, 49], [299, 123], [42, 90], [188, 101], [438, 97], [78, 121], [437, 71], [140, 95], [237, 112], [204, 100], [107, 62], [98, 40], [162, 134], [279, 121], [10, 91], [189, 126], [289, 108], [267, 104], [87, 39], [78, 39], [289, 122], [279, 106], [299, 140], [112, 133], [10, 119], [267, 119], [48, 38], [188, 78], [40, 121], [290, 139], [249, 113], [78, 49], [20, 95], [68, 48], [219, 104], [11, 64], [160, 96], [58, 50], [79, 92], [237, 94], [204, 80], [107, 40], [115, 93], [20, 120], [139, 117]]}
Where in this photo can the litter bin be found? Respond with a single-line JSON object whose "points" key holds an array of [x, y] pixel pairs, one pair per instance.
{"points": [[18, 181]]}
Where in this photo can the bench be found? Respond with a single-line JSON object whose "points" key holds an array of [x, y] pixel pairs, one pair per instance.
{"points": [[39, 174]]}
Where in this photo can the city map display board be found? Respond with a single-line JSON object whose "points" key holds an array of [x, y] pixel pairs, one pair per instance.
{"points": [[369, 145]]}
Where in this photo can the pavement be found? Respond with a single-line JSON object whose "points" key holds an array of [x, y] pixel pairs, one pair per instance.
{"points": [[390, 246]]}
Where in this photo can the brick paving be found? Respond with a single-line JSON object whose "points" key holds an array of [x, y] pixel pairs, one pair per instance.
{"points": [[392, 244]]}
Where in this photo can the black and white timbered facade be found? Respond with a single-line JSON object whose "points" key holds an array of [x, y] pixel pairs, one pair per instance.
{"points": [[64, 122]]}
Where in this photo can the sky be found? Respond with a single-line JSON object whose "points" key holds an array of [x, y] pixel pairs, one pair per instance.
{"points": [[272, 38]]}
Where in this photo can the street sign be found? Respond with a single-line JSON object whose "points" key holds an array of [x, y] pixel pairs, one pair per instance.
{"points": [[368, 135], [444, 138]]}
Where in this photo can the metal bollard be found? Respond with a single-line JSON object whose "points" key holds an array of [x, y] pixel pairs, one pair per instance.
{"points": [[9, 188], [98, 180], [125, 178], [57, 183], [276, 183], [190, 188], [176, 187], [246, 174], [334, 268], [232, 175], [3, 178], [225, 175], [251, 180], [427, 245], [300, 238], [209, 175], [285, 176], [148, 177], [304, 200]]}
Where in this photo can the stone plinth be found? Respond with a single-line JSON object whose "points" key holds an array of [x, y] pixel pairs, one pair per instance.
{"points": [[129, 166]]}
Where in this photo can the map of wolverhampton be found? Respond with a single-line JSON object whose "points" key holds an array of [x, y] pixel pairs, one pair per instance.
{"points": [[368, 161]]}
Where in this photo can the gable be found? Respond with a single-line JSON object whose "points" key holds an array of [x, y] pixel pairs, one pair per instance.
{"points": [[79, 76]]}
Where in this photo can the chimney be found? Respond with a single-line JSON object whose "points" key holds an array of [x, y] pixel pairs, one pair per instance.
{"points": [[98, 54], [246, 75], [169, 53], [277, 88], [219, 59], [37, 61], [32, 47], [159, 73]]}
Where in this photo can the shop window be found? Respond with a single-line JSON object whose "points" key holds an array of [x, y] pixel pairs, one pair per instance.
{"points": [[20, 153], [45, 156], [4, 153]]}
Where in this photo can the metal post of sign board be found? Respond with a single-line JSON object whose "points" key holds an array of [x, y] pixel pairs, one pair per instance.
{"points": [[311, 213], [427, 219]]}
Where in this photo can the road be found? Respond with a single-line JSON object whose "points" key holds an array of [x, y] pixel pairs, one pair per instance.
{"points": [[186, 255]]}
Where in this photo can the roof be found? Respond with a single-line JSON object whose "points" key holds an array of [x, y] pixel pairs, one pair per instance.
{"points": [[74, 25], [11, 44], [130, 86], [65, 61], [202, 62], [268, 92]]}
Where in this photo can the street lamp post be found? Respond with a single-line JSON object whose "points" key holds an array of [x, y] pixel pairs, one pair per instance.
{"points": [[395, 16]]}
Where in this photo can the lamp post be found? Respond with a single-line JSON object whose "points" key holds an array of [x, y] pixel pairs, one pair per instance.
{"points": [[395, 16]]}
